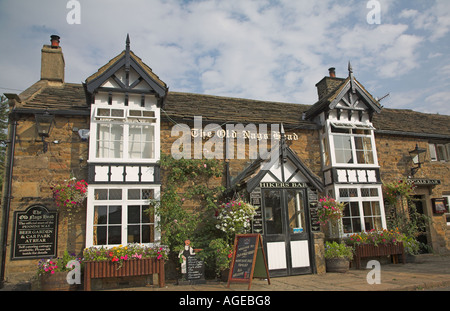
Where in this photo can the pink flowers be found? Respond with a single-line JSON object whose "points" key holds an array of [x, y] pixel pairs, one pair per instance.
{"points": [[329, 209], [70, 194]]}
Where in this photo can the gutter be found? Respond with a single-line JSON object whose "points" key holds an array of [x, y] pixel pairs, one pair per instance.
{"points": [[413, 134]]}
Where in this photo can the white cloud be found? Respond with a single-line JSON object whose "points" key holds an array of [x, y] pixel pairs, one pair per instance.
{"points": [[262, 49]]}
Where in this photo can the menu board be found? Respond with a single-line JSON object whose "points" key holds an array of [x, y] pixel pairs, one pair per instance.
{"points": [[313, 205], [195, 269], [35, 232], [248, 260], [257, 222]]}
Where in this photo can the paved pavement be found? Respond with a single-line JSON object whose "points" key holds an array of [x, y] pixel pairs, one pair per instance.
{"points": [[428, 272]]}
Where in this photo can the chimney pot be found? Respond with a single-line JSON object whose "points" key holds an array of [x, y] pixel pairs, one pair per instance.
{"points": [[332, 72], [54, 39]]}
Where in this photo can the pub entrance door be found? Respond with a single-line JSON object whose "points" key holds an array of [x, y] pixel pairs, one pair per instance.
{"points": [[287, 234]]}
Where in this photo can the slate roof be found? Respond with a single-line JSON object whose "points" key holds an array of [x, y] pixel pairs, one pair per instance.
{"points": [[54, 96], [184, 106]]}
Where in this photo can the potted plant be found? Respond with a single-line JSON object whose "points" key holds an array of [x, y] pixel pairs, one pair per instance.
{"points": [[223, 253], [337, 257], [52, 273]]}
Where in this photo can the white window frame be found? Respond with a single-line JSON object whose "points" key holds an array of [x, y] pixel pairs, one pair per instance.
{"points": [[126, 121], [435, 156], [360, 199], [350, 126], [124, 203]]}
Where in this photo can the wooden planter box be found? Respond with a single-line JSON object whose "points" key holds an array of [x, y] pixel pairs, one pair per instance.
{"points": [[369, 250], [56, 282], [134, 267]]}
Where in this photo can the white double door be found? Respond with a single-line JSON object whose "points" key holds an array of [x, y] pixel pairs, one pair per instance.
{"points": [[287, 231]]}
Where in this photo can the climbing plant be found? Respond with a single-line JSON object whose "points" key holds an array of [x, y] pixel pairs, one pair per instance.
{"points": [[187, 180], [402, 214]]}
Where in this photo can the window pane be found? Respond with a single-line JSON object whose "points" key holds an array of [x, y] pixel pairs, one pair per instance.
{"points": [[101, 194], [109, 140], [134, 234], [147, 234], [134, 214], [114, 235], [272, 211], [296, 210], [134, 194], [115, 214], [100, 235], [343, 149], [364, 152], [100, 215], [115, 194], [148, 194]]}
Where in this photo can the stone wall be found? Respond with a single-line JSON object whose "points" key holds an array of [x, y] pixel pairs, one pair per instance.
{"points": [[396, 164], [34, 174]]}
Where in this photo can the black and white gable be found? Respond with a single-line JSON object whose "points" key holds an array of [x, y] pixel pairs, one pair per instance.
{"points": [[344, 100], [126, 80]]}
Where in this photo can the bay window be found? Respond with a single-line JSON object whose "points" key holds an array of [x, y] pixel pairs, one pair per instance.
{"points": [[363, 208], [121, 215], [352, 143], [125, 134]]}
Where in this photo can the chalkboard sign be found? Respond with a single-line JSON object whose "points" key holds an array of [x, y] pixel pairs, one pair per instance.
{"points": [[195, 270], [35, 232], [248, 260]]}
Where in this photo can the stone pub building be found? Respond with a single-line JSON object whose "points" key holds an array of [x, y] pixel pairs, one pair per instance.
{"points": [[110, 130]]}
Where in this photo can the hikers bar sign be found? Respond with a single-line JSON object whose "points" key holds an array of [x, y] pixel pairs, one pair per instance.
{"points": [[248, 260]]}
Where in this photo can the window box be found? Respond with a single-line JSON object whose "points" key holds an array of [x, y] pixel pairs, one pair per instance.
{"points": [[370, 250], [135, 267]]}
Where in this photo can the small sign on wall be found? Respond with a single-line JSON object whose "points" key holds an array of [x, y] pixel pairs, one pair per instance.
{"points": [[35, 233], [439, 206]]}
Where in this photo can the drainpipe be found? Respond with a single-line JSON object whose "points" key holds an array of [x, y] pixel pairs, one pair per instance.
{"points": [[7, 196]]}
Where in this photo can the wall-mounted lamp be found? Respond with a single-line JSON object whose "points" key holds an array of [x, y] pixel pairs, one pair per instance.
{"points": [[418, 157], [44, 123]]}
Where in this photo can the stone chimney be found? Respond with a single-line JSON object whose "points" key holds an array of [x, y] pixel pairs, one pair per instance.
{"points": [[52, 61], [328, 84]]}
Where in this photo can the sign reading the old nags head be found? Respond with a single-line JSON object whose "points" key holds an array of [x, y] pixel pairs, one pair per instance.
{"points": [[35, 232]]}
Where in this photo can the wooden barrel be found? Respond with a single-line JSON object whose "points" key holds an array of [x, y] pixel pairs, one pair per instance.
{"points": [[56, 282]]}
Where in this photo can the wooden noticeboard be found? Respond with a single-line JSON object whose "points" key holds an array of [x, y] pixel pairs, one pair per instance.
{"points": [[248, 260]]}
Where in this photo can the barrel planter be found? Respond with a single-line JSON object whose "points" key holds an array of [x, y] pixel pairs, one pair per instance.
{"points": [[371, 250], [56, 282], [340, 265], [134, 267]]}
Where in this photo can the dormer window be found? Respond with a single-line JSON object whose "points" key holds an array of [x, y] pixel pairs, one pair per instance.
{"points": [[352, 143], [125, 133]]}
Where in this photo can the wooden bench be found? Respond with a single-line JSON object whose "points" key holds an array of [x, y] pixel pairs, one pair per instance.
{"points": [[134, 267], [370, 250]]}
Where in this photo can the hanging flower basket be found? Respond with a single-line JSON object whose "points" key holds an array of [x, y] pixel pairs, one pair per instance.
{"points": [[70, 193], [329, 210], [235, 217]]}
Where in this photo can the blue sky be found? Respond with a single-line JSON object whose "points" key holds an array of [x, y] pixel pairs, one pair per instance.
{"points": [[262, 49]]}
